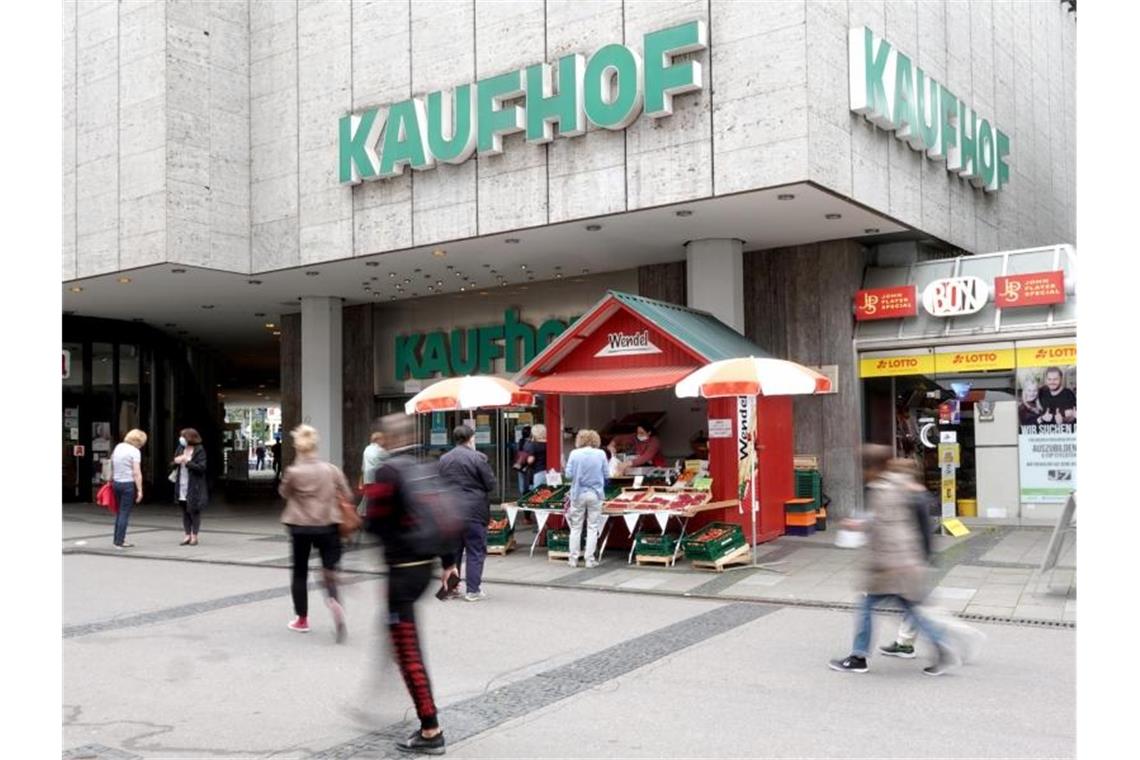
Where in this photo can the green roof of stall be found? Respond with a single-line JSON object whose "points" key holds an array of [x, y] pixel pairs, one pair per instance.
{"points": [[699, 330]]}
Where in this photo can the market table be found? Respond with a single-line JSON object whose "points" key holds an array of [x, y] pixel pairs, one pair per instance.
{"points": [[605, 532], [684, 515]]}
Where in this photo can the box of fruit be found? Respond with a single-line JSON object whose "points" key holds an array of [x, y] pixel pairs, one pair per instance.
{"points": [[713, 541], [498, 529], [656, 544]]}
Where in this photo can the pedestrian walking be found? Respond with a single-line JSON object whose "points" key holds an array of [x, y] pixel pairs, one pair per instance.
{"points": [[416, 521], [469, 473], [312, 490], [260, 456], [896, 569], [586, 470], [126, 482], [190, 489], [967, 641], [374, 454]]}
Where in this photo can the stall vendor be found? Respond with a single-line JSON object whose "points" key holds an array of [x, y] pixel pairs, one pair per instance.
{"points": [[644, 445]]}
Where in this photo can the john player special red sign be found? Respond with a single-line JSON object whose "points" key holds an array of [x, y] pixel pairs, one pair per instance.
{"points": [[1036, 289], [886, 303]]}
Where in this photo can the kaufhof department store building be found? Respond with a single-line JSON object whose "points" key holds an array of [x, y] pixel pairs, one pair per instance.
{"points": [[366, 196]]}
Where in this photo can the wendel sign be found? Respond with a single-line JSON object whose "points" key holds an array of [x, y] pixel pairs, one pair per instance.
{"points": [[609, 91], [898, 96]]}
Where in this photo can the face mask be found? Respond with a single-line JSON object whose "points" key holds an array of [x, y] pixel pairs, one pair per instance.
{"points": [[182, 441], [643, 438]]}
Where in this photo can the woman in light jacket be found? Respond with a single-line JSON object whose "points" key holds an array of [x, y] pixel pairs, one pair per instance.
{"points": [[312, 489], [190, 483]]}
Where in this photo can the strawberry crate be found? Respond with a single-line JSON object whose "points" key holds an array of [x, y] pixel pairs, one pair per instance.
{"points": [[713, 541], [499, 529]]}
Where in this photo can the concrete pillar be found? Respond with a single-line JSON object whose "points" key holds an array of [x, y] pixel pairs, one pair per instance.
{"points": [[322, 401], [714, 279]]}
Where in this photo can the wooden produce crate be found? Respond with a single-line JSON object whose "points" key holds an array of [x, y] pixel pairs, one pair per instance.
{"points": [[741, 555], [713, 541]]}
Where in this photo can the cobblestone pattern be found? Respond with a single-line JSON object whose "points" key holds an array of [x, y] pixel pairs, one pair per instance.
{"points": [[97, 752], [478, 714]]}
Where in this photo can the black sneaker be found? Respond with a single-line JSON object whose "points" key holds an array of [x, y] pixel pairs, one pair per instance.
{"points": [[419, 744], [896, 649], [852, 664], [943, 663]]}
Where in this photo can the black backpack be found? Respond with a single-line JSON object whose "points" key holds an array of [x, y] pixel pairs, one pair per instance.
{"points": [[433, 520]]}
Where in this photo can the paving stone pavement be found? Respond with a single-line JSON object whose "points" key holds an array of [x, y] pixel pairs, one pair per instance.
{"points": [[991, 573]]}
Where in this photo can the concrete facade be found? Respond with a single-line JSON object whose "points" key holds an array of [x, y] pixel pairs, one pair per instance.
{"points": [[205, 133]]}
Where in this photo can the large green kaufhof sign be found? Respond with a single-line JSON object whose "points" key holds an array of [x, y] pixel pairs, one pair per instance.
{"points": [[610, 90], [898, 96], [473, 350]]}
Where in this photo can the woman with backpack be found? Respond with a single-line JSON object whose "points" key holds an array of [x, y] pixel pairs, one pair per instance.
{"points": [[312, 489]]}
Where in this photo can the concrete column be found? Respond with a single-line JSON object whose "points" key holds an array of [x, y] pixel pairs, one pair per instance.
{"points": [[322, 397], [714, 279]]}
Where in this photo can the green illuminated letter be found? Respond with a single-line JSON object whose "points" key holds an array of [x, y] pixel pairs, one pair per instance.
{"points": [[405, 138], [543, 107], [663, 79], [456, 114], [493, 120], [358, 146], [613, 98]]}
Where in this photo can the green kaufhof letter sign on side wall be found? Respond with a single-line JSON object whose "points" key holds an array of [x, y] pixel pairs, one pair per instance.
{"points": [[610, 90], [896, 95], [473, 350]]}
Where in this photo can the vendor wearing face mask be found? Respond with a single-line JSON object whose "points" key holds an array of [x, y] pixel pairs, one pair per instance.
{"points": [[645, 447]]}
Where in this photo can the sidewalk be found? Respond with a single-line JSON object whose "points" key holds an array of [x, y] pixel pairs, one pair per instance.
{"points": [[989, 574]]}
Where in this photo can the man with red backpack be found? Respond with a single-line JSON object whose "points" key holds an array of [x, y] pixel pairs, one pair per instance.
{"points": [[417, 519]]}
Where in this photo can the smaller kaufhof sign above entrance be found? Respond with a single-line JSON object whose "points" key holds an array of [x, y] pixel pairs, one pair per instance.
{"points": [[955, 296]]}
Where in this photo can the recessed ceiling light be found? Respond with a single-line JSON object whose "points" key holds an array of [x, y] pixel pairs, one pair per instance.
{"points": [[593, 227], [407, 281], [207, 306], [439, 253], [871, 230], [277, 333], [462, 288], [75, 289], [439, 283], [270, 325], [124, 280], [178, 270], [683, 212], [253, 282], [483, 293], [502, 283], [558, 275], [372, 263], [391, 274], [511, 241], [431, 289], [785, 197], [833, 217], [391, 298], [262, 386], [524, 266]]}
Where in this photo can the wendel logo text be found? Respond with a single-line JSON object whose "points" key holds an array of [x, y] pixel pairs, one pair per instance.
{"points": [[627, 344]]}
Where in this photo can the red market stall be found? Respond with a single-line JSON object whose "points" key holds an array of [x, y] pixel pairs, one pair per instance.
{"points": [[627, 344]]}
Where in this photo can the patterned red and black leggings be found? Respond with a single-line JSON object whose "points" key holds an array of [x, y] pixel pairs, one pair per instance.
{"points": [[405, 586]]}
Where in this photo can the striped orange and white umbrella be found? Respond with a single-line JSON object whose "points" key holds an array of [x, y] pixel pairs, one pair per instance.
{"points": [[470, 392], [751, 376]]}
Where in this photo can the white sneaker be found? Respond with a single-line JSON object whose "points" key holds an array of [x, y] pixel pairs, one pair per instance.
{"points": [[478, 596], [591, 563], [572, 562]]}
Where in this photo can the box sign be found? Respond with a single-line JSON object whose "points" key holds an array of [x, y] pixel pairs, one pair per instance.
{"points": [[628, 344], [610, 90], [1037, 289], [955, 296], [895, 95], [886, 303], [889, 366], [473, 350], [66, 364]]}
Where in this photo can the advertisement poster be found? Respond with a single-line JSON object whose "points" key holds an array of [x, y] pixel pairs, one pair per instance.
{"points": [[438, 429], [1047, 433], [746, 451], [101, 437], [483, 430]]}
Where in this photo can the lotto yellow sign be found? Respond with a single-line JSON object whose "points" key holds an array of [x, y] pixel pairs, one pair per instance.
{"points": [[1047, 356], [889, 366], [976, 360]]}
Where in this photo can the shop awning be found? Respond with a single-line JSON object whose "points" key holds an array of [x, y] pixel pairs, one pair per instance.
{"points": [[595, 381], [664, 342]]}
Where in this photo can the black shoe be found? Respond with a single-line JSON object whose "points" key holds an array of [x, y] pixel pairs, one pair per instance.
{"points": [[895, 649], [943, 663], [852, 664], [417, 743]]}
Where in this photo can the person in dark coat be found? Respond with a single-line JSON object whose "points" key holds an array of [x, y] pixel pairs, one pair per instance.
{"points": [[469, 473], [189, 478]]}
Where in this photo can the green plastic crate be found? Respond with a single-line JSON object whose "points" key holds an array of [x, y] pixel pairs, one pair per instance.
{"points": [[656, 544], [558, 540], [809, 485], [501, 536], [711, 551], [558, 498]]}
